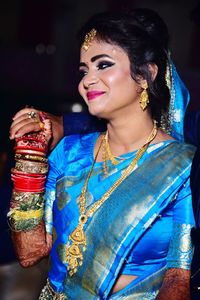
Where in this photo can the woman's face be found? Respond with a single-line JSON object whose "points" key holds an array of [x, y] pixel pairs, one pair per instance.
{"points": [[106, 85]]}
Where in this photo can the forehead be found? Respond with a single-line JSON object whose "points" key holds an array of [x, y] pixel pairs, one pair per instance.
{"points": [[100, 47]]}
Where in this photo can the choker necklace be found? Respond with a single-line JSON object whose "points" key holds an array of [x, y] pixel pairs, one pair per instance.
{"points": [[77, 240], [107, 154]]}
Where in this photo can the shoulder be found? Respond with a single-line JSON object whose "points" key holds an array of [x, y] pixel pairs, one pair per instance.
{"points": [[179, 157], [183, 149], [79, 141], [73, 145], [175, 157]]}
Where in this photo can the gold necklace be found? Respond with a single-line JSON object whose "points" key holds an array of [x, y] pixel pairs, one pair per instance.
{"points": [[77, 240], [107, 154]]}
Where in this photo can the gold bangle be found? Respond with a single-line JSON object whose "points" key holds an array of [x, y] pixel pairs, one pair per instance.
{"points": [[31, 166], [30, 157]]}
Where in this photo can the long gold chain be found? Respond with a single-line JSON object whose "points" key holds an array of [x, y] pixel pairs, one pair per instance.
{"points": [[77, 240]]}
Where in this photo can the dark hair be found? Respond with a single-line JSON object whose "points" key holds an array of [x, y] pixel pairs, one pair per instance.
{"points": [[142, 48]]}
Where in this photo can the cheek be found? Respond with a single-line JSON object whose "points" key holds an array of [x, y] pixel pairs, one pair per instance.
{"points": [[80, 88], [118, 78]]}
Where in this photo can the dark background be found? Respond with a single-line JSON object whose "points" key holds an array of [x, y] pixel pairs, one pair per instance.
{"points": [[39, 55], [38, 67]]}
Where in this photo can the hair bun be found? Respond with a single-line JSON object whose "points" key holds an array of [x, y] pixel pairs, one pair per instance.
{"points": [[150, 21]]}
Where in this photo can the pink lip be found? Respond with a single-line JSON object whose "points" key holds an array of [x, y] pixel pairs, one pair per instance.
{"points": [[93, 94]]}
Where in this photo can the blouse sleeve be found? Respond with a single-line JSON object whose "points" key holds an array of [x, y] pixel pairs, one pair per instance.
{"points": [[55, 162], [180, 248]]}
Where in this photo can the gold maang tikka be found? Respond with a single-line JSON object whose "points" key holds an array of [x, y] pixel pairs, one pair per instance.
{"points": [[89, 38]]}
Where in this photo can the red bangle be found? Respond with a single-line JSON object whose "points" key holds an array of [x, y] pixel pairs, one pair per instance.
{"points": [[28, 185], [28, 151], [32, 137], [25, 178], [31, 147]]}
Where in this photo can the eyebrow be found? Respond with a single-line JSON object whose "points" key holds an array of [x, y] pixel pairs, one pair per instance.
{"points": [[94, 58]]}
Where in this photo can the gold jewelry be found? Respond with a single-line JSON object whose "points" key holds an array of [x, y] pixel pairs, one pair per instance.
{"points": [[41, 125], [88, 39], [168, 77], [31, 167], [108, 151], [107, 155], [144, 98], [49, 291], [77, 240], [31, 157]]}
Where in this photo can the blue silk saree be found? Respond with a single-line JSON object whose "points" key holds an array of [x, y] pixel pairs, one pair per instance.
{"points": [[142, 229]]}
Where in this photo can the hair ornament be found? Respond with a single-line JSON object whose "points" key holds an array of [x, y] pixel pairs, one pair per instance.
{"points": [[89, 38]]}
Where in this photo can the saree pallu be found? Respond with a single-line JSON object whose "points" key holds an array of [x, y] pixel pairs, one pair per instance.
{"points": [[118, 225]]}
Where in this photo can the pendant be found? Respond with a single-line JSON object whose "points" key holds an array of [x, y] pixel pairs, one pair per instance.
{"points": [[77, 245]]}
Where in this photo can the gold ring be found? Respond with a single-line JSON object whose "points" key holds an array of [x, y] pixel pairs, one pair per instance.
{"points": [[32, 115]]}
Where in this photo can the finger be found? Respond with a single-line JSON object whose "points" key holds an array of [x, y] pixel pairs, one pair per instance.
{"points": [[28, 117], [24, 111], [20, 119], [24, 127]]}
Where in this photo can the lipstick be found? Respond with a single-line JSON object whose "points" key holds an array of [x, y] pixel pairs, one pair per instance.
{"points": [[94, 94]]}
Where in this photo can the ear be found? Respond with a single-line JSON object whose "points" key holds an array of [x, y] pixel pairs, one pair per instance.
{"points": [[153, 68]]}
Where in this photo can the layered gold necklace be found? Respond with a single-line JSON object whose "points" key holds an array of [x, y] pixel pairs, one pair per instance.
{"points": [[77, 239]]}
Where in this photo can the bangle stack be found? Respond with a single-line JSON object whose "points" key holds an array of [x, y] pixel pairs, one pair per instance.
{"points": [[28, 176]]}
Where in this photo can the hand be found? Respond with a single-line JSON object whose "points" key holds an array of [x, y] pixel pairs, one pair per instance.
{"points": [[24, 123]]}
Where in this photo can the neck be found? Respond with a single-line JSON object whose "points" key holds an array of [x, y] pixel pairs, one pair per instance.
{"points": [[128, 134]]}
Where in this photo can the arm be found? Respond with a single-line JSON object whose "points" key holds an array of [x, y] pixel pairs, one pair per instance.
{"points": [[176, 285], [35, 241], [27, 204]]}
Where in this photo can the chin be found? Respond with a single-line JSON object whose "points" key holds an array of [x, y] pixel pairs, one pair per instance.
{"points": [[96, 111]]}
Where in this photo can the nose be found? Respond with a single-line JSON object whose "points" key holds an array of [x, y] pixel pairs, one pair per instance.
{"points": [[89, 79]]}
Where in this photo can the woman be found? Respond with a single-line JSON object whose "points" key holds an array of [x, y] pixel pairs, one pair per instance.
{"points": [[118, 204]]}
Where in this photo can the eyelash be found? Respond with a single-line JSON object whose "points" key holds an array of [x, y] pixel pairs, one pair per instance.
{"points": [[104, 65], [100, 66]]}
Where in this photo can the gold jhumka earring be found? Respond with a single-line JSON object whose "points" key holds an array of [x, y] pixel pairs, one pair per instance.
{"points": [[88, 39], [144, 98]]}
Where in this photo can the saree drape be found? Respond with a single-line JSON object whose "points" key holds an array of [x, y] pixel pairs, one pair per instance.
{"points": [[149, 197]]}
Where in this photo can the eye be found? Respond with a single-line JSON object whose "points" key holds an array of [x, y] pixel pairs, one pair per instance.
{"points": [[104, 65], [82, 73]]}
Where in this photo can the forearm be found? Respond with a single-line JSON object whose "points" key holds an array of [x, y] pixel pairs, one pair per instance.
{"points": [[176, 285]]}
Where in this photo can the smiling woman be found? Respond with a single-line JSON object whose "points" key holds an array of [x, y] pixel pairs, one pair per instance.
{"points": [[107, 85], [118, 203]]}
